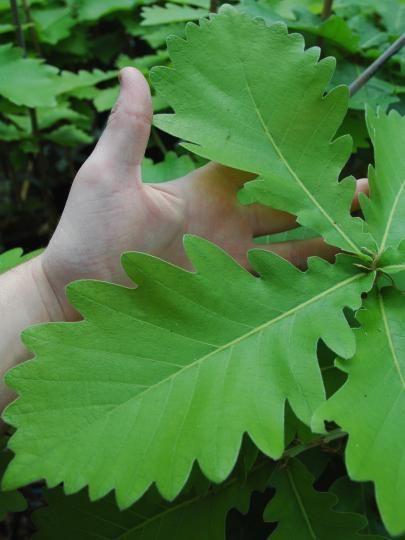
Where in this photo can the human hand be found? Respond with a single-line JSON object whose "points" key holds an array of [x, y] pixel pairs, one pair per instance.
{"points": [[110, 211]]}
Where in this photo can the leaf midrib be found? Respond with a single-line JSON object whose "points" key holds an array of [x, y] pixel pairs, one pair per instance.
{"points": [[391, 346], [390, 219], [300, 503], [232, 343], [292, 172]]}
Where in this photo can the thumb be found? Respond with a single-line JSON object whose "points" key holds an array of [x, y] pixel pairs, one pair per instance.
{"points": [[123, 143]]}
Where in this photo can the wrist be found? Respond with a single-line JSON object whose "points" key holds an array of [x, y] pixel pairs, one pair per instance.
{"points": [[52, 307]]}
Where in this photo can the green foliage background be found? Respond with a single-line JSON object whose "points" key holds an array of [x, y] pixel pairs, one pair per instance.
{"points": [[69, 82], [54, 101]]}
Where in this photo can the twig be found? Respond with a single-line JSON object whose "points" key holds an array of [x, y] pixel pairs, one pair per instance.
{"points": [[327, 9], [302, 447], [373, 68]]}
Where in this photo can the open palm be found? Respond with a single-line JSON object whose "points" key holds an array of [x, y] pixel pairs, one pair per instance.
{"points": [[110, 211]]}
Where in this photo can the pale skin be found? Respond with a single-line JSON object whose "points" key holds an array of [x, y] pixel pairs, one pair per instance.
{"points": [[110, 211]]}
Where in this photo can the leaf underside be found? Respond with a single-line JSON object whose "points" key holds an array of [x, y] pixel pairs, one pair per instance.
{"points": [[176, 370], [258, 105]]}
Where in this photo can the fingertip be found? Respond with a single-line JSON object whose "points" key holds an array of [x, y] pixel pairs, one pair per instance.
{"points": [[361, 187], [297, 252], [122, 144], [135, 90]]}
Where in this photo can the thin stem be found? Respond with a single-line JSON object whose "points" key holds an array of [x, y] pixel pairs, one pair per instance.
{"points": [[33, 31], [214, 4], [39, 161], [374, 67], [327, 9], [18, 28], [302, 447]]}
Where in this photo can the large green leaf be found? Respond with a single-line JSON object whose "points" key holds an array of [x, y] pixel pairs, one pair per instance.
{"points": [[192, 515], [385, 209], [26, 81], [304, 513], [176, 370], [258, 105], [371, 405]]}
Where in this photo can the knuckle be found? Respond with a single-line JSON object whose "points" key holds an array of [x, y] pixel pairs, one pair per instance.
{"points": [[124, 113], [94, 171]]}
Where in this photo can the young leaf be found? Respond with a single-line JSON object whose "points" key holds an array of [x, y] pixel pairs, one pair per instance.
{"points": [[190, 516], [176, 370], [385, 210], [258, 106], [371, 404], [304, 513]]}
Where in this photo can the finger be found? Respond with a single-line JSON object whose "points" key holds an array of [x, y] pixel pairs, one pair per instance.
{"points": [[266, 220], [123, 142], [298, 251], [228, 174], [361, 187]]}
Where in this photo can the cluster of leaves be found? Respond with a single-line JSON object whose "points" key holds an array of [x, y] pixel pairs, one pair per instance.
{"points": [[198, 403]]}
